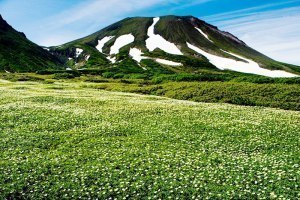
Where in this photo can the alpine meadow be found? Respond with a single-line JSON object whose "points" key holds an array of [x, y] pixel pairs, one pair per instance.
{"points": [[168, 107]]}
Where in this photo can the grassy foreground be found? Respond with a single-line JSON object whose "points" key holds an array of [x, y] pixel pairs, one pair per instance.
{"points": [[61, 141]]}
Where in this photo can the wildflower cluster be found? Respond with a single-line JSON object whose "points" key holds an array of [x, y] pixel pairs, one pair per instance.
{"points": [[75, 143]]}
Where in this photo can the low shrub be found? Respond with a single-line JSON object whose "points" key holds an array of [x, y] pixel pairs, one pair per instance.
{"points": [[64, 76], [108, 74]]}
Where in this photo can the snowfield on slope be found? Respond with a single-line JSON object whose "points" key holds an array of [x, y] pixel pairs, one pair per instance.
{"points": [[102, 42], [136, 54], [111, 59], [120, 42], [202, 33], [167, 62], [250, 66], [87, 57], [156, 41], [78, 52]]}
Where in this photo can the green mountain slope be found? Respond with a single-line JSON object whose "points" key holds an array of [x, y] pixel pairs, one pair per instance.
{"points": [[18, 54], [174, 29]]}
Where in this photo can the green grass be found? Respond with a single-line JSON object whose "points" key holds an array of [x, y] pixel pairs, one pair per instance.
{"points": [[62, 141], [285, 96], [207, 87]]}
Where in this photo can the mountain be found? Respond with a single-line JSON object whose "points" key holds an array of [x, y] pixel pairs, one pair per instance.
{"points": [[18, 54], [168, 44]]}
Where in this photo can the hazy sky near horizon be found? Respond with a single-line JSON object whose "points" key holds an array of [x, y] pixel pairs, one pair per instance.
{"points": [[269, 26]]}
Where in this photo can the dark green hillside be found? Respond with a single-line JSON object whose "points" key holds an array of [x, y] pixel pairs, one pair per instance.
{"points": [[96, 60], [17, 53], [175, 29], [181, 29], [137, 26]]}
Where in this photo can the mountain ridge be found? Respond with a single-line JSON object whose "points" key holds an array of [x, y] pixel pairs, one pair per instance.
{"points": [[143, 45], [18, 54], [179, 31]]}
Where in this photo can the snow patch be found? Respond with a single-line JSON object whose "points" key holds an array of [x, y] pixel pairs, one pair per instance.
{"points": [[87, 57], [78, 52], [156, 41], [136, 54], [47, 49], [102, 42], [239, 66], [112, 59], [167, 62], [68, 69], [121, 42], [206, 36]]}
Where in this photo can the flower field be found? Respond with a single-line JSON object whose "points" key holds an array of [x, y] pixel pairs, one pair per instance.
{"points": [[62, 141]]}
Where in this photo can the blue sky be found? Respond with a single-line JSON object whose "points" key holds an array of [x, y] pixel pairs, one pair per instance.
{"points": [[269, 26]]}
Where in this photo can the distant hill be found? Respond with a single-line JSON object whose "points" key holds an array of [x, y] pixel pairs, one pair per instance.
{"points": [[18, 54], [169, 44]]}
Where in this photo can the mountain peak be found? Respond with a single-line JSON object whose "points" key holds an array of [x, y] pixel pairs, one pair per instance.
{"points": [[20, 54], [4, 26], [2, 21], [168, 40]]}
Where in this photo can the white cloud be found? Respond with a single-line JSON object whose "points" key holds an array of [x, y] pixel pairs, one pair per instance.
{"points": [[91, 15], [274, 33], [99, 10], [188, 4], [85, 18], [246, 11]]}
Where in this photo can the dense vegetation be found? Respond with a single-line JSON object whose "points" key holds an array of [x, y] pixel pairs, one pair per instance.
{"points": [[60, 141], [18, 54], [228, 87], [249, 94]]}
